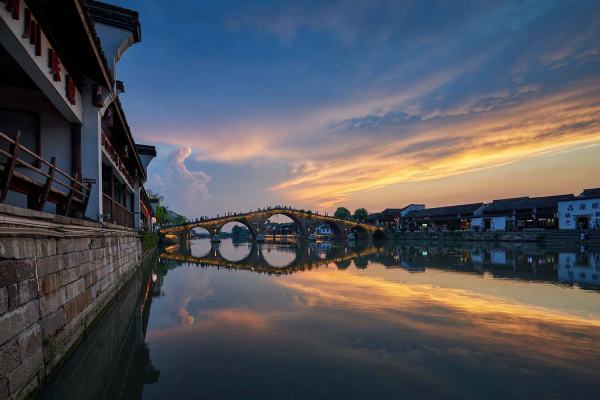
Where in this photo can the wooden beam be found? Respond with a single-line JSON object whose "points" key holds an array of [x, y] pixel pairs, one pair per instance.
{"points": [[69, 200], [9, 169], [46, 190]]}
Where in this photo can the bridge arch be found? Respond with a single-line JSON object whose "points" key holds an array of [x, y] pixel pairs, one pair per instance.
{"points": [[300, 226], [379, 234], [235, 254], [200, 248], [361, 232], [241, 221], [274, 257]]}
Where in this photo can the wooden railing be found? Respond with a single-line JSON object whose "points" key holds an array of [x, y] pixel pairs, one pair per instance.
{"points": [[118, 214], [46, 183]]}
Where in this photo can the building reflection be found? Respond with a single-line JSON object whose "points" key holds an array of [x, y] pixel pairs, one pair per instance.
{"points": [[528, 262], [114, 349]]}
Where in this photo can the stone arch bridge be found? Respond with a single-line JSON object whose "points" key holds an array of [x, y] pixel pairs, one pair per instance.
{"points": [[305, 222]]}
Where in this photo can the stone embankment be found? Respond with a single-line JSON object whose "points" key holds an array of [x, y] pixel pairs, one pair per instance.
{"points": [[57, 274], [539, 236]]}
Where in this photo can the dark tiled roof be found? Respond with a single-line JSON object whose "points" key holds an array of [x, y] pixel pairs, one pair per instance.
{"points": [[390, 212], [525, 203], [146, 149], [116, 16], [595, 192], [449, 211]]}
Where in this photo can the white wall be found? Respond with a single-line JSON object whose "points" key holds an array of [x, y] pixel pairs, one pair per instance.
{"points": [[410, 208], [477, 222], [498, 223], [569, 211]]}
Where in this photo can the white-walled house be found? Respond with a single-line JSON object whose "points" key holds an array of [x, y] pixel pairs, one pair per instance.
{"points": [[60, 112], [323, 230], [581, 212], [391, 218]]}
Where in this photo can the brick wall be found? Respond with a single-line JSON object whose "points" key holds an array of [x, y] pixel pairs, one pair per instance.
{"points": [[52, 288]]}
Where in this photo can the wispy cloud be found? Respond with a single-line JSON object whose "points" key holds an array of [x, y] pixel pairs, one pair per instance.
{"points": [[346, 96], [184, 190]]}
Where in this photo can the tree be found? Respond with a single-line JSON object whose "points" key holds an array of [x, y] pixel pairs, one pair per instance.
{"points": [[361, 214], [240, 231], [342, 212]]}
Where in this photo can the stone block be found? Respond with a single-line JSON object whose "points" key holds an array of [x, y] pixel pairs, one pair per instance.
{"points": [[49, 265], [3, 300], [45, 247], [12, 271], [10, 357], [90, 280], [30, 341], [71, 260], [49, 283], [77, 305], [16, 249], [24, 373], [52, 301], [21, 293], [53, 323], [73, 289], [3, 388], [65, 246], [30, 388], [68, 275], [18, 319], [82, 244]]}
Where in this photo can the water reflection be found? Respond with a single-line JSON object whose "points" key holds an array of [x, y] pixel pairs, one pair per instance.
{"points": [[522, 261], [355, 321], [112, 361]]}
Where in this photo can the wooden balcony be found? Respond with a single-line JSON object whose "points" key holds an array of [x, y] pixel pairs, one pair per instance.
{"points": [[116, 213], [41, 181]]}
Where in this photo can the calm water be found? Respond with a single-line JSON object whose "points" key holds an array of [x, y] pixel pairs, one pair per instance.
{"points": [[339, 321]]}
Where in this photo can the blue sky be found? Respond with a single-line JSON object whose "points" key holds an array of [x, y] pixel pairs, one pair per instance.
{"points": [[368, 103]]}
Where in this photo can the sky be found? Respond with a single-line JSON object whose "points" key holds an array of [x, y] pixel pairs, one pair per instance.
{"points": [[370, 103]]}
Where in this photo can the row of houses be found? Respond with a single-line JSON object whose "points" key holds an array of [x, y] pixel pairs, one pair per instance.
{"points": [[565, 211], [65, 144]]}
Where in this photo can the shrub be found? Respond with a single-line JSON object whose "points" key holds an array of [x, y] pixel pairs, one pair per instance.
{"points": [[149, 241]]}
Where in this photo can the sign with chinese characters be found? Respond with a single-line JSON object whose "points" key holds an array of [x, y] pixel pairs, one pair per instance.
{"points": [[580, 213]]}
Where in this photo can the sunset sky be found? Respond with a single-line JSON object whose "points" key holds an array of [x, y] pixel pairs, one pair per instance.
{"points": [[368, 103]]}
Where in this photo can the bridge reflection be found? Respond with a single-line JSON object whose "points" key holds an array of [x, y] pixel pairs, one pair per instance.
{"points": [[501, 261], [306, 256]]}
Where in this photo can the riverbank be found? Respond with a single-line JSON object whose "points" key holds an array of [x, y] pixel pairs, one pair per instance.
{"points": [[541, 236], [57, 275]]}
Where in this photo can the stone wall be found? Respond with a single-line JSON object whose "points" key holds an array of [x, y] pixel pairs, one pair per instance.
{"points": [[549, 237], [56, 276]]}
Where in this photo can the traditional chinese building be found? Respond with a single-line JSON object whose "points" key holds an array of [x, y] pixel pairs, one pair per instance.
{"points": [[581, 212], [520, 213], [391, 218], [442, 218], [65, 144]]}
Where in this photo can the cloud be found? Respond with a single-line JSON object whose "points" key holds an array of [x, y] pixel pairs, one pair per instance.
{"points": [[184, 191], [354, 96], [448, 145]]}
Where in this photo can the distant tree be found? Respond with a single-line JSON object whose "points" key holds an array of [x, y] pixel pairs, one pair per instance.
{"points": [[342, 212], [240, 231], [361, 214]]}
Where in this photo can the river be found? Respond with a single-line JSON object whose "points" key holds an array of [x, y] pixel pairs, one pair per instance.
{"points": [[347, 321]]}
